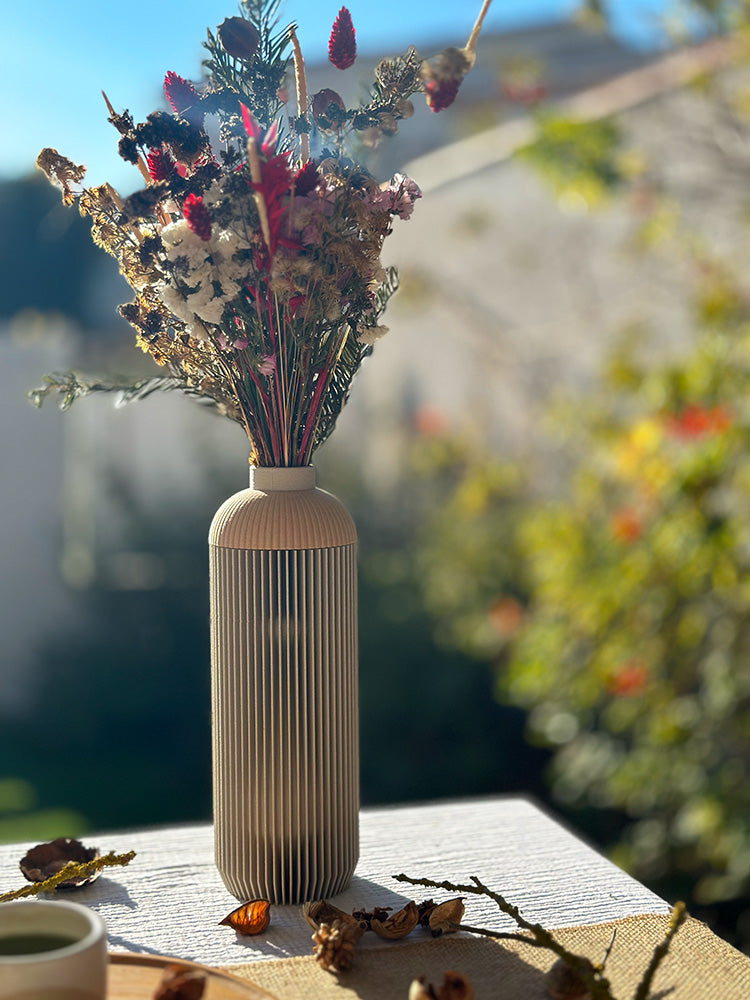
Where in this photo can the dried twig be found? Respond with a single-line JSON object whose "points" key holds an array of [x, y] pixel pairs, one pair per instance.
{"points": [[73, 869], [591, 974]]}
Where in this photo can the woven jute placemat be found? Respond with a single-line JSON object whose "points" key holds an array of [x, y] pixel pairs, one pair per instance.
{"points": [[699, 966]]}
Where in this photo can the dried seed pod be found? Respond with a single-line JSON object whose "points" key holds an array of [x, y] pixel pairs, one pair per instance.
{"points": [[444, 918], [328, 109], [399, 924], [455, 986], [563, 982], [365, 917], [420, 989], [333, 944], [238, 37], [180, 983], [251, 918], [387, 123], [425, 909], [45, 860], [320, 911], [405, 108]]}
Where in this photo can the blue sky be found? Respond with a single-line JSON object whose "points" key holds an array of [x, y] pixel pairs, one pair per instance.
{"points": [[58, 57]]}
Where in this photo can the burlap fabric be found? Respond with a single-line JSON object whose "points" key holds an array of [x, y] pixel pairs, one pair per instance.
{"points": [[699, 966]]}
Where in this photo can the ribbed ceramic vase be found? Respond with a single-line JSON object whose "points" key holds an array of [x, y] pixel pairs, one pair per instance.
{"points": [[284, 689]]}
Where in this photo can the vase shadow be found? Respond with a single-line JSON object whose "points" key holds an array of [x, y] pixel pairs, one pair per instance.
{"points": [[492, 969], [364, 893]]}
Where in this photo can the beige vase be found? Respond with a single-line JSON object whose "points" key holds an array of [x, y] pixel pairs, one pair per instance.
{"points": [[284, 689]]}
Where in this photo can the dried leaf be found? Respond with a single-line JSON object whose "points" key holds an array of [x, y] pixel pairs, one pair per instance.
{"points": [[399, 924], [320, 911], [251, 918], [178, 982], [444, 918], [45, 860]]}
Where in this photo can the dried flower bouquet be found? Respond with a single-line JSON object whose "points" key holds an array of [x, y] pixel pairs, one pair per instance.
{"points": [[256, 265]]}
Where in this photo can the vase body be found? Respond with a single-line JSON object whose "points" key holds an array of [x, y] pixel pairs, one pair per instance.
{"points": [[284, 689]]}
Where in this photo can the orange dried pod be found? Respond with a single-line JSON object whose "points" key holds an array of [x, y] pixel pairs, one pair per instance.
{"points": [[252, 917]]}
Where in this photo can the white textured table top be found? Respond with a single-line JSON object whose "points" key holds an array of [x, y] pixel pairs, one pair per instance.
{"points": [[170, 899]]}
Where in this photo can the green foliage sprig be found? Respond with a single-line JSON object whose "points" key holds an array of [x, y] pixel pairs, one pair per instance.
{"points": [[71, 386]]}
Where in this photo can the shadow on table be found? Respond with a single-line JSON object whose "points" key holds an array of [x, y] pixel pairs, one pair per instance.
{"points": [[492, 969], [389, 970]]}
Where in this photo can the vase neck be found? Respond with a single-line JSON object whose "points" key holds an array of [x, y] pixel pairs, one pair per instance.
{"points": [[275, 479]]}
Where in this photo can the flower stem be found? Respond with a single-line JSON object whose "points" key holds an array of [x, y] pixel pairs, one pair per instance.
{"points": [[469, 48]]}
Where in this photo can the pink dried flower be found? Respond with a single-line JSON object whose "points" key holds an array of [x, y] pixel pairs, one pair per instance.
{"points": [[183, 98], [197, 216], [160, 165], [404, 192], [443, 75], [342, 45], [440, 94]]}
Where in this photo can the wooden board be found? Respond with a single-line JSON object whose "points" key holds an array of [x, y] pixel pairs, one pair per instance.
{"points": [[135, 977]]}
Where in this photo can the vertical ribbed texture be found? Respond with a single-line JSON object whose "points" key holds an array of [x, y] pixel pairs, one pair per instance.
{"points": [[285, 720]]}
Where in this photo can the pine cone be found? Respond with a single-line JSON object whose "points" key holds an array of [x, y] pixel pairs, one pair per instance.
{"points": [[334, 945]]}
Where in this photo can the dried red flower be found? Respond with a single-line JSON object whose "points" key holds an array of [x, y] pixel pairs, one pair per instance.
{"points": [[160, 165], [342, 45], [306, 179], [183, 98], [251, 126], [440, 94], [197, 216], [276, 179]]}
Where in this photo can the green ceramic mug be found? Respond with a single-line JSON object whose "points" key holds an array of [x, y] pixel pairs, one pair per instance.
{"points": [[52, 950]]}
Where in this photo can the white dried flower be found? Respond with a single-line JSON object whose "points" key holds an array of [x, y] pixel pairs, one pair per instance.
{"points": [[370, 334]]}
